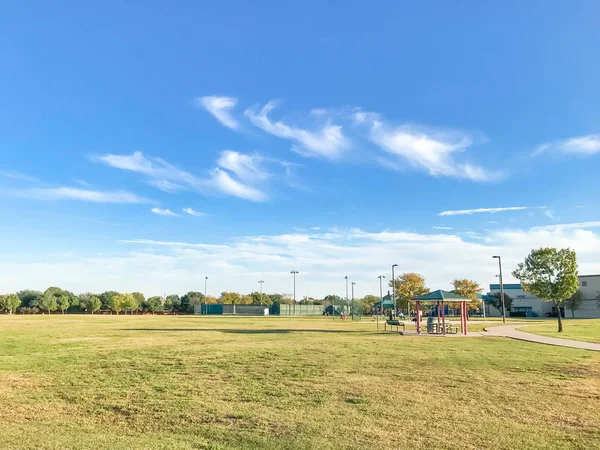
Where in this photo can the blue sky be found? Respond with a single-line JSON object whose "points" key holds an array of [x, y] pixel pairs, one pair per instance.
{"points": [[335, 139]]}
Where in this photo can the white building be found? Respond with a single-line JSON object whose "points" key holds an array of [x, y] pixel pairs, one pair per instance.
{"points": [[589, 285]]}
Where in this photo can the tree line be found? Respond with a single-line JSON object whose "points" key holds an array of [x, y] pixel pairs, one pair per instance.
{"points": [[55, 299]]}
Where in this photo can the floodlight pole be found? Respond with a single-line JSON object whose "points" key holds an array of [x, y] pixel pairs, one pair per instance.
{"points": [[394, 287], [502, 289], [261, 282], [294, 272]]}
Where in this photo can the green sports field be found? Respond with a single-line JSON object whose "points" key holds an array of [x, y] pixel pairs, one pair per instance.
{"points": [[80, 381]]}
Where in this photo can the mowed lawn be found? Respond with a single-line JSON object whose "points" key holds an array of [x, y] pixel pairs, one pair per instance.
{"points": [[108, 382], [579, 329]]}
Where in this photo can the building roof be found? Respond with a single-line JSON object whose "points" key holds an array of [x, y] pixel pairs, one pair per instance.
{"points": [[496, 287], [439, 295]]}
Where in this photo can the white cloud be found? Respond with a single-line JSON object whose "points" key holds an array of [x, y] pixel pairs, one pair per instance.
{"points": [[549, 213], [82, 183], [323, 259], [327, 142], [433, 150], [225, 183], [18, 176], [220, 107], [441, 228], [246, 167], [193, 212], [86, 195], [492, 221], [465, 212], [162, 175], [163, 212], [582, 145]]}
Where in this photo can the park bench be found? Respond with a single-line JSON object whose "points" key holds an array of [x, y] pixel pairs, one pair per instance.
{"points": [[393, 323]]}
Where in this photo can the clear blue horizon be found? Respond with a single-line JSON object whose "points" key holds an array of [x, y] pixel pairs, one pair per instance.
{"points": [[145, 147]]}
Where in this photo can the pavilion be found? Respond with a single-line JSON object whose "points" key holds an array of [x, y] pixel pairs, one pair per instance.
{"points": [[440, 297]]}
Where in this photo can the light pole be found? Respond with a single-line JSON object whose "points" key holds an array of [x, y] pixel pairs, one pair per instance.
{"points": [[205, 283], [346, 278], [294, 272], [394, 287], [381, 277], [261, 282], [502, 289]]}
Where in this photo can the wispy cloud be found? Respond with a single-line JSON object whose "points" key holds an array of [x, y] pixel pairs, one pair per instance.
{"points": [[433, 150], [581, 145], [81, 183], [236, 174], [549, 213], [18, 176], [220, 107], [163, 212], [225, 183], [328, 141], [86, 195], [193, 212], [467, 212], [441, 228]]}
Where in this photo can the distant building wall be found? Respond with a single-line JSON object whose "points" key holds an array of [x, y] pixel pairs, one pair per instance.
{"points": [[522, 301]]}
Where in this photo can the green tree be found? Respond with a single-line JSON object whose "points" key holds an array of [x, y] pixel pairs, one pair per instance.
{"points": [[574, 302], [105, 298], [335, 300], [116, 303], [172, 303], [368, 301], [89, 302], [10, 302], [276, 299], [497, 302], [133, 301], [230, 298], [29, 298], [190, 299], [155, 304], [549, 274], [468, 289], [47, 302], [63, 302], [408, 286]]}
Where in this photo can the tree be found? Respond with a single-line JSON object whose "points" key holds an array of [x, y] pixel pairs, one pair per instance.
{"points": [[230, 298], [551, 275], [133, 301], [89, 302], [117, 302], [172, 303], [368, 301], [105, 298], [190, 299], [10, 302], [335, 300], [468, 289], [29, 298], [155, 304], [408, 286], [497, 302], [276, 299], [63, 302], [574, 302], [47, 302]]}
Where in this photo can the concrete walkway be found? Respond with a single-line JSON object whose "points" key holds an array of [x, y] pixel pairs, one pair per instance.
{"points": [[510, 331]]}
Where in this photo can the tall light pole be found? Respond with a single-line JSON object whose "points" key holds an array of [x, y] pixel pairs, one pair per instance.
{"points": [[353, 283], [205, 283], [502, 289], [346, 278], [294, 272], [394, 287], [381, 277], [261, 282]]}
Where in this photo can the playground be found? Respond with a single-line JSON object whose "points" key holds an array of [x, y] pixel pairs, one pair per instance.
{"points": [[81, 381]]}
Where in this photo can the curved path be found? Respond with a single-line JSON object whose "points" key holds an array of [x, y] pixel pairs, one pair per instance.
{"points": [[510, 331]]}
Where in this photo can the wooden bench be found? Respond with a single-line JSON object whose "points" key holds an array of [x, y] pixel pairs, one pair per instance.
{"points": [[393, 323]]}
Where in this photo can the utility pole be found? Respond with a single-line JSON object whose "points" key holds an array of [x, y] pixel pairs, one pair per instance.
{"points": [[381, 277], [394, 287], [294, 272], [261, 292]]}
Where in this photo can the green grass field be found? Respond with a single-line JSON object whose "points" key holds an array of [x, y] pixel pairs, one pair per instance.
{"points": [[108, 382], [580, 329]]}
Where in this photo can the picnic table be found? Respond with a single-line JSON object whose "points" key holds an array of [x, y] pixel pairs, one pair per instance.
{"points": [[438, 328], [393, 323]]}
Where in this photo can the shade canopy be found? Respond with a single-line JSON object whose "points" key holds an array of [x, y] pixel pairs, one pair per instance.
{"points": [[441, 296], [387, 303], [486, 298]]}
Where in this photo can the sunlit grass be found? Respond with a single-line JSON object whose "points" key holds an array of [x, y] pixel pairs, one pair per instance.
{"points": [[310, 383], [579, 329]]}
